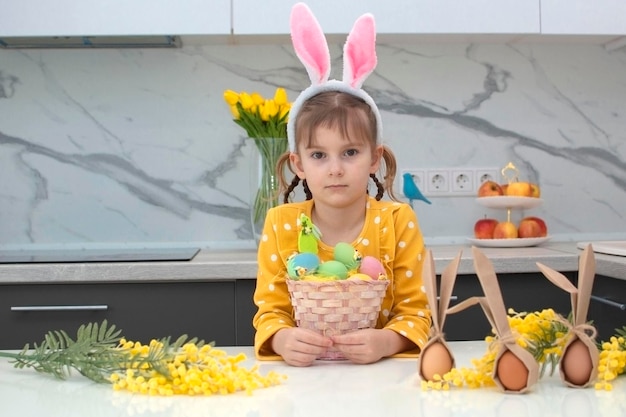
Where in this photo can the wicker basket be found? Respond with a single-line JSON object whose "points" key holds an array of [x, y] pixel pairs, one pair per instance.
{"points": [[336, 307]]}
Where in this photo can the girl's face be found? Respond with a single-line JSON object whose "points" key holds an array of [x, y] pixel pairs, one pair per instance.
{"points": [[336, 170]]}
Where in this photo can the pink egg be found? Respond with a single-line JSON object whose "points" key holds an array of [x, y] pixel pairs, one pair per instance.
{"points": [[372, 267]]}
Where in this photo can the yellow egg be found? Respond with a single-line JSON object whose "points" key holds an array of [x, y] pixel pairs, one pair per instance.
{"points": [[359, 276], [512, 372], [576, 363], [435, 360]]}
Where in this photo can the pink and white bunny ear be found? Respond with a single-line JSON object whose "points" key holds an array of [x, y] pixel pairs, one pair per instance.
{"points": [[359, 52], [312, 49], [310, 43]]}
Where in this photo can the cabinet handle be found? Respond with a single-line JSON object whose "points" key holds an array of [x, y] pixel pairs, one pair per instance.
{"points": [[452, 298], [611, 303], [92, 307]]}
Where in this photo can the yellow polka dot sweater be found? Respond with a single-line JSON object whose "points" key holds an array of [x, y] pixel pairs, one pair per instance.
{"points": [[391, 233]]}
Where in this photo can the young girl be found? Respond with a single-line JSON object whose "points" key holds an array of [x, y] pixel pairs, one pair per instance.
{"points": [[335, 142]]}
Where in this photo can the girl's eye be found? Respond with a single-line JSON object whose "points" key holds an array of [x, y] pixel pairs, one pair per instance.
{"points": [[317, 155], [351, 152]]}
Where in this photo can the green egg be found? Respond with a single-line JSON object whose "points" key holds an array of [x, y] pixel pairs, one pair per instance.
{"points": [[346, 254], [330, 269]]}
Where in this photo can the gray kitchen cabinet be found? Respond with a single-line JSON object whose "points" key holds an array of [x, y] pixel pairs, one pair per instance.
{"points": [[521, 292], [607, 309], [216, 311]]}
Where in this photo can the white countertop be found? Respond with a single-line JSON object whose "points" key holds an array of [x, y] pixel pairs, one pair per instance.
{"points": [[241, 264], [388, 388]]}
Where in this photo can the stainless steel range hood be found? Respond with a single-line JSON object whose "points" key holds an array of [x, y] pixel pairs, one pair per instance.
{"points": [[152, 41]]}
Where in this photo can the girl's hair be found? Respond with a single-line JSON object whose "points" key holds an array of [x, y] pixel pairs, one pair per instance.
{"points": [[354, 119]]}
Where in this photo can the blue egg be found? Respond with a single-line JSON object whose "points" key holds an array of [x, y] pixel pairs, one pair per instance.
{"points": [[302, 264]]}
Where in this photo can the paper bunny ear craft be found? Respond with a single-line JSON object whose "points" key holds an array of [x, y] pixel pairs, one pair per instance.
{"points": [[579, 361], [311, 47]]}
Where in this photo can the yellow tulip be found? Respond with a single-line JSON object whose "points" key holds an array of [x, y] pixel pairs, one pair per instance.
{"points": [[270, 108], [231, 97], [235, 111], [263, 113], [280, 97], [246, 101], [283, 111], [257, 98]]}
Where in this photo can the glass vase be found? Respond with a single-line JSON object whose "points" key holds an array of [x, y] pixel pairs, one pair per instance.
{"points": [[264, 182]]}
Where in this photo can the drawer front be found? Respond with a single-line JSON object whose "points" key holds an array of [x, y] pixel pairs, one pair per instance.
{"points": [[143, 311], [521, 292], [607, 308]]}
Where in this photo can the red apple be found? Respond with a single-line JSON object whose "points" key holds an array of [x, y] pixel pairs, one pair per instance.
{"points": [[505, 230], [489, 188], [532, 227], [483, 228]]}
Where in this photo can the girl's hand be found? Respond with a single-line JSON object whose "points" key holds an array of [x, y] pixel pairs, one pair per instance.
{"points": [[299, 347], [370, 345]]}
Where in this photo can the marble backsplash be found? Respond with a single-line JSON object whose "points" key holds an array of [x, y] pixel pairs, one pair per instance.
{"points": [[137, 147]]}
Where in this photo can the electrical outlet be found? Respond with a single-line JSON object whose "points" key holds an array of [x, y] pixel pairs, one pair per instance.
{"points": [[438, 181], [450, 182], [462, 181], [485, 174], [418, 176]]}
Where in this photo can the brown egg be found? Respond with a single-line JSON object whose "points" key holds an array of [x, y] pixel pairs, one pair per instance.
{"points": [[512, 372], [576, 363], [435, 360]]}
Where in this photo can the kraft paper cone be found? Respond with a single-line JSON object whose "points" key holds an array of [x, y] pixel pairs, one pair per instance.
{"points": [[580, 331], [496, 313], [438, 309]]}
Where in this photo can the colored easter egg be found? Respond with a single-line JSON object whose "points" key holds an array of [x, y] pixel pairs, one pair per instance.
{"points": [[372, 267], [347, 255], [332, 269], [359, 276], [302, 264]]}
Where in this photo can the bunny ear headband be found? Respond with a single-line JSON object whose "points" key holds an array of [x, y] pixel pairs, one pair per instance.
{"points": [[359, 60]]}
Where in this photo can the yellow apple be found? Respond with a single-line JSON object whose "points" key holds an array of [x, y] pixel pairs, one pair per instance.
{"points": [[519, 189], [536, 191], [483, 228], [505, 230], [489, 189], [532, 227]]}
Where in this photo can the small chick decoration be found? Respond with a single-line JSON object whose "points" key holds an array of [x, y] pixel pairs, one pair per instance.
{"points": [[347, 262]]}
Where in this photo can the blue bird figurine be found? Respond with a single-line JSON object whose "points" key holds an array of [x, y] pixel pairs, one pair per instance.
{"points": [[411, 190]]}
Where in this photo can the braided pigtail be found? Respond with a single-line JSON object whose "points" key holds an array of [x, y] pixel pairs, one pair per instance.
{"points": [[379, 186], [307, 192], [388, 170], [290, 188]]}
